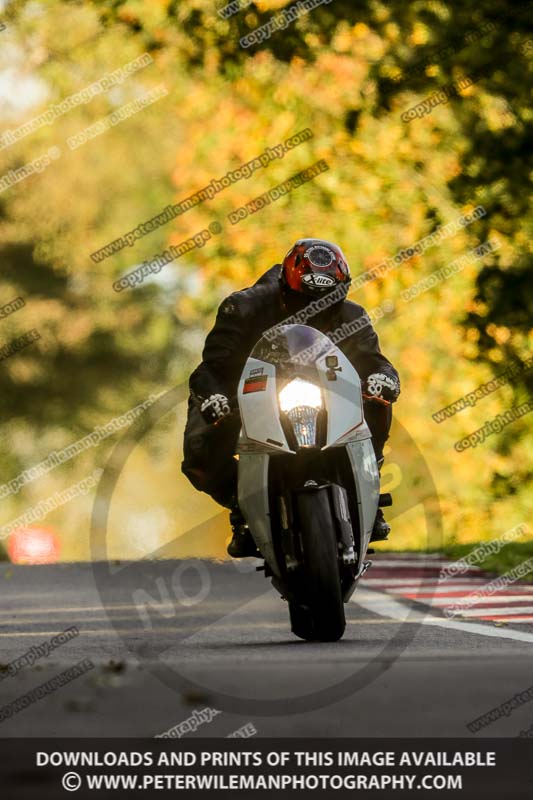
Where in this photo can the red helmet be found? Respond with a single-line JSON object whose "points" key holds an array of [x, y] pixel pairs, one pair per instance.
{"points": [[314, 267]]}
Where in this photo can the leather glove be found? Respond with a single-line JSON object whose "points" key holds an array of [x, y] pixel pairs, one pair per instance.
{"points": [[381, 387], [214, 408]]}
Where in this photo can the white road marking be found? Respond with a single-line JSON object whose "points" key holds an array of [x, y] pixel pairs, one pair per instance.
{"points": [[488, 612], [88, 619], [114, 632], [387, 606], [495, 598], [63, 610], [280, 626], [422, 564], [82, 609], [385, 582], [437, 588]]}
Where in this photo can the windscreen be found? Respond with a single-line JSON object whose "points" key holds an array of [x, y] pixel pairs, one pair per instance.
{"points": [[292, 345]]}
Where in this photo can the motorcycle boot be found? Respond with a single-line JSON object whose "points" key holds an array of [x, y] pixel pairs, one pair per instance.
{"points": [[242, 544], [381, 529]]}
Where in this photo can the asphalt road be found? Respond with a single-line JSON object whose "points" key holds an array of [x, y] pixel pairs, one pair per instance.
{"points": [[168, 638]]}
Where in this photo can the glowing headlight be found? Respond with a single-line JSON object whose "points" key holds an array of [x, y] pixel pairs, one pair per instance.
{"points": [[299, 393], [301, 401]]}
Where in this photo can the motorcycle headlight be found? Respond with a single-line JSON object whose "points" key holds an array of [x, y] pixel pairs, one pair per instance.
{"points": [[299, 393], [301, 401]]}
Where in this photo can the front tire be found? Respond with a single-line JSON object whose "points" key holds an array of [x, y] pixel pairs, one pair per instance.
{"points": [[320, 615]]}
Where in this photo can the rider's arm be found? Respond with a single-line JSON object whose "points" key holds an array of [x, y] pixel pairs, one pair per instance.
{"points": [[223, 355], [362, 347]]}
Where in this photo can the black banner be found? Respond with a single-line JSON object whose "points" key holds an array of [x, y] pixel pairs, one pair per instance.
{"points": [[394, 768]]}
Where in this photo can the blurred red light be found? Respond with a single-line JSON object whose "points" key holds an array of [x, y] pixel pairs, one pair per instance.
{"points": [[33, 546]]}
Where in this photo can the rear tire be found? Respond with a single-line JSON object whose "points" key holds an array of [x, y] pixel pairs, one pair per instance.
{"points": [[320, 616]]}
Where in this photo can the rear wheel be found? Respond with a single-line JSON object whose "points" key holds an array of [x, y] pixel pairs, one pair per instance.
{"points": [[320, 615]]}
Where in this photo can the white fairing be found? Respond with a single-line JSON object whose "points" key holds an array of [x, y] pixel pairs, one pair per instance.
{"points": [[262, 437], [253, 502], [260, 409], [342, 397], [365, 470]]}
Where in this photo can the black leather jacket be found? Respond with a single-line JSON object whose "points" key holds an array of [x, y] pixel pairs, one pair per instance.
{"points": [[245, 315]]}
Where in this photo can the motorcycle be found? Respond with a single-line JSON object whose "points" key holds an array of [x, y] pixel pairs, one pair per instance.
{"points": [[308, 480]]}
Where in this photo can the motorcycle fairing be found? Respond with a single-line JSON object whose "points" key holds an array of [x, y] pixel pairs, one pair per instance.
{"points": [[272, 363], [366, 476], [260, 409], [341, 390], [253, 502]]}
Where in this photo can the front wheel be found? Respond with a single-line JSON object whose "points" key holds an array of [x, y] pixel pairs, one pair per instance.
{"points": [[320, 615]]}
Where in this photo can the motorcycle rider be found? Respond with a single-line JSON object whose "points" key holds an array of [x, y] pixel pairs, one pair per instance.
{"points": [[313, 268]]}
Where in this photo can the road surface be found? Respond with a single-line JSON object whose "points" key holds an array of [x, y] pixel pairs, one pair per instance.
{"points": [[170, 638]]}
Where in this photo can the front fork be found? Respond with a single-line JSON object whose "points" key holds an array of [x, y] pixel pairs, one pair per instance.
{"points": [[291, 546]]}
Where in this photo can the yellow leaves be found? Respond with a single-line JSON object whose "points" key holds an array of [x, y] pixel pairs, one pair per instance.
{"points": [[471, 350], [500, 334], [340, 67], [344, 204], [419, 34], [343, 39], [495, 355], [522, 239], [251, 19], [187, 310], [149, 14], [499, 115], [385, 189], [360, 30], [126, 14], [80, 327], [392, 31], [474, 306], [358, 147], [24, 369]]}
